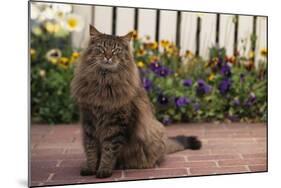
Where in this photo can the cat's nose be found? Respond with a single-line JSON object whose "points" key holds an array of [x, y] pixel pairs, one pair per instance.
{"points": [[108, 59]]}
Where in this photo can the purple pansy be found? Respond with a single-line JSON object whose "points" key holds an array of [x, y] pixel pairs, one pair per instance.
{"points": [[202, 87], [162, 99], [163, 71], [181, 101], [187, 82], [225, 70], [236, 102], [196, 106], [224, 86], [251, 100], [166, 120], [147, 84], [155, 66]]}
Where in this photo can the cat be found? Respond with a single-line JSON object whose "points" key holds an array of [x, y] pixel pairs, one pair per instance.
{"points": [[119, 128]]}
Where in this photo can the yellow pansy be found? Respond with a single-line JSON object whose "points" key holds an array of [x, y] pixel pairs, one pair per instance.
{"points": [[52, 27], [140, 52], [264, 52], [188, 54], [140, 64], [251, 54], [53, 55], [32, 53], [42, 73], [135, 34], [153, 45], [211, 77]]}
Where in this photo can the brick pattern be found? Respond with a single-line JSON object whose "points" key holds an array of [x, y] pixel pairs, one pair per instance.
{"points": [[56, 154]]}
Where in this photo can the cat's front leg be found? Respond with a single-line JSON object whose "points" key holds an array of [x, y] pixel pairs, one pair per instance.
{"points": [[90, 143], [110, 150]]}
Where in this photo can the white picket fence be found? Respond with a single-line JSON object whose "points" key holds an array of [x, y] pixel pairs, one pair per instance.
{"points": [[101, 17]]}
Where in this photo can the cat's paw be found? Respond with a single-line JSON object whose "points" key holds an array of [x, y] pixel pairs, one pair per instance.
{"points": [[104, 173], [86, 171]]}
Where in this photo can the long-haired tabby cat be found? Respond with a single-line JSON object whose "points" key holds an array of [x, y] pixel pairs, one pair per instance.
{"points": [[119, 128]]}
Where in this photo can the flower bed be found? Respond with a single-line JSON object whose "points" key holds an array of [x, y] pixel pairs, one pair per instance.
{"points": [[181, 86]]}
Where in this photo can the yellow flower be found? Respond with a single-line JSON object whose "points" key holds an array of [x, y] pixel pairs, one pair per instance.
{"points": [[153, 45], [53, 55], [153, 58], [52, 27], [140, 64], [140, 52], [165, 43], [37, 31], [64, 62], [211, 77], [147, 37], [263, 52], [32, 53], [42, 73], [188, 54], [74, 56], [135, 34], [73, 22], [251, 54]]}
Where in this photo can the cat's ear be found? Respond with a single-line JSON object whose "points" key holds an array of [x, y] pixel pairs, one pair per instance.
{"points": [[93, 31], [128, 37]]}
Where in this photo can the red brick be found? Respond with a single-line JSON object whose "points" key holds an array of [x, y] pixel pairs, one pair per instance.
{"points": [[187, 164], [211, 157], [43, 163], [258, 168], [237, 162], [72, 174], [151, 173], [254, 155], [217, 170], [72, 162]]}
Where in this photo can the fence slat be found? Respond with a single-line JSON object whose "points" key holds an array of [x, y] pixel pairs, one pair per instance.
{"points": [[261, 42], [226, 37], [188, 31], [125, 20], [168, 23], [80, 39], [208, 33], [245, 29], [103, 19], [147, 21]]}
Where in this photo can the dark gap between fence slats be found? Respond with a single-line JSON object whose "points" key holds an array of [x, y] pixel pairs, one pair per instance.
{"points": [[218, 29], [157, 27], [113, 29], [198, 31], [136, 19], [178, 29], [236, 22], [254, 36]]}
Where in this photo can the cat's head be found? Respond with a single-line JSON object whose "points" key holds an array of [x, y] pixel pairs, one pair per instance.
{"points": [[108, 52]]}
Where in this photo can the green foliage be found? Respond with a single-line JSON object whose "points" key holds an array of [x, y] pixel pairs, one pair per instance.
{"points": [[167, 77]]}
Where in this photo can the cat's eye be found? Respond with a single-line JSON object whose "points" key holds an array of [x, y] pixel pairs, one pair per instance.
{"points": [[115, 51]]}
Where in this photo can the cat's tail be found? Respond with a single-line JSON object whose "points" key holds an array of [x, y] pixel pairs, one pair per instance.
{"points": [[180, 143]]}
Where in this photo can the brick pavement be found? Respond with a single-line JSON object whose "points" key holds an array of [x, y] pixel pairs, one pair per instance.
{"points": [[56, 154]]}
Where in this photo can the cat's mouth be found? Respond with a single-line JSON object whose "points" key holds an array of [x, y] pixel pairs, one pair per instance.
{"points": [[109, 64]]}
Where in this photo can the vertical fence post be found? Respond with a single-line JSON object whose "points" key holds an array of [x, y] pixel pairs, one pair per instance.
{"points": [[113, 29], [236, 22], [136, 19], [157, 25], [218, 29], [198, 31], [178, 29]]}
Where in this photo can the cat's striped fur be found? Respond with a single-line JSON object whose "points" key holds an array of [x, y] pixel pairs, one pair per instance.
{"points": [[119, 128]]}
